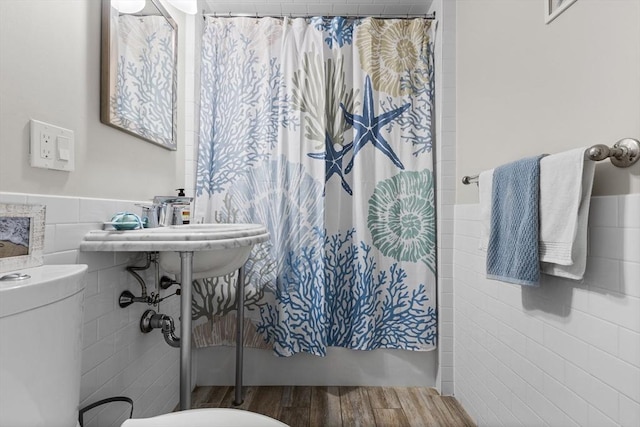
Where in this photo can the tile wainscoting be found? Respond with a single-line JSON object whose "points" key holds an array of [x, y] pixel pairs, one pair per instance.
{"points": [[564, 354]]}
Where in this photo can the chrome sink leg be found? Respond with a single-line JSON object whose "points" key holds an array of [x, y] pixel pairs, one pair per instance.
{"points": [[239, 335], [186, 265]]}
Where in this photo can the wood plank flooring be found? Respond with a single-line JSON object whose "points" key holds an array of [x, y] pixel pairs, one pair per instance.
{"points": [[342, 406]]}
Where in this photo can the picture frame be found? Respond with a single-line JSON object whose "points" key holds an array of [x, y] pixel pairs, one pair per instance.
{"points": [[21, 236], [553, 8]]}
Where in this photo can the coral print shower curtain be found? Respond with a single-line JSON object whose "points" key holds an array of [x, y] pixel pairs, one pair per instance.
{"points": [[320, 129]]}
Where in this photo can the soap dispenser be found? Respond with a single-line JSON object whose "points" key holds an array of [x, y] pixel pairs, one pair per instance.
{"points": [[182, 210]]}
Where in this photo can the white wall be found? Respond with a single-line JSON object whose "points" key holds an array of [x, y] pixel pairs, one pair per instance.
{"points": [[525, 88], [50, 71], [117, 359]]}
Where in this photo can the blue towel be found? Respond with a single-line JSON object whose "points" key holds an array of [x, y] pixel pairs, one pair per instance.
{"points": [[512, 253]]}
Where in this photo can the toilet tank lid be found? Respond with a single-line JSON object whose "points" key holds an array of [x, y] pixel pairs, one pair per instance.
{"points": [[47, 284]]}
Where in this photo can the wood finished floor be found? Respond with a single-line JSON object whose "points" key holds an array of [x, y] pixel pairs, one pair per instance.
{"points": [[342, 406]]}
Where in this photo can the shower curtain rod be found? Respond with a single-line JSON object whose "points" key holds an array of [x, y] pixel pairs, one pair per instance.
{"points": [[429, 16]]}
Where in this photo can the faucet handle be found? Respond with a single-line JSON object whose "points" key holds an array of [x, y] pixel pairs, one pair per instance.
{"points": [[149, 215]]}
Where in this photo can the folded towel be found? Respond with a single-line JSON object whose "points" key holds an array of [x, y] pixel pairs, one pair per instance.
{"points": [[566, 180], [512, 253], [485, 185]]}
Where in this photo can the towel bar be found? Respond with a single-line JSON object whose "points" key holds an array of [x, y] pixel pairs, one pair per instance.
{"points": [[623, 154]]}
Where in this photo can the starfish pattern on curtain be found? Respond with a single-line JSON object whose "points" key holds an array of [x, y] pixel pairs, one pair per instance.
{"points": [[368, 126], [333, 159]]}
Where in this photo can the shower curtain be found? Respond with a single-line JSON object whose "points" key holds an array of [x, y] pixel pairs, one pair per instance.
{"points": [[320, 129]]}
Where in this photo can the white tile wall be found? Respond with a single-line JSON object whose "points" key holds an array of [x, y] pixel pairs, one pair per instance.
{"points": [[117, 359], [445, 178], [192, 83], [564, 354]]}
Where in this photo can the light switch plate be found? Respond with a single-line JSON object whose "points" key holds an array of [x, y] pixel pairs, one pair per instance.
{"points": [[51, 147]]}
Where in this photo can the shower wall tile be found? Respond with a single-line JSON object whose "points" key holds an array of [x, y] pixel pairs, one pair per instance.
{"points": [[602, 212], [581, 360], [604, 242], [115, 355], [444, 156], [603, 273], [620, 309], [631, 244], [629, 274], [615, 372], [629, 212], [598, 419], [629, 347], [629, 411]]}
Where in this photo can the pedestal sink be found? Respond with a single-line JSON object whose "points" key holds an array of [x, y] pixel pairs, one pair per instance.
{"points": [[192, 251]]}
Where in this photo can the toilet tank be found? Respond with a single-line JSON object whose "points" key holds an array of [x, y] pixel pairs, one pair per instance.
{"points": [[40, 346]]}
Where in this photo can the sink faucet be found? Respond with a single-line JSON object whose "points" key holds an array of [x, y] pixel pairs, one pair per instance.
{"points": [[149, 216], [167, 210]]}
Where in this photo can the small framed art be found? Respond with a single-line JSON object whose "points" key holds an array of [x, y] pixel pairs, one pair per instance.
{"points": [[553, 8], [21, 236]]}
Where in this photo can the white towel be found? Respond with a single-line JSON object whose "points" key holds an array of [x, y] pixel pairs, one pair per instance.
{"points": [[485, 187], [566, 180]]}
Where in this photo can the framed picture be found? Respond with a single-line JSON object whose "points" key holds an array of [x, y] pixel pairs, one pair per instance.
{"points": [[21, 236], [553, 8]]}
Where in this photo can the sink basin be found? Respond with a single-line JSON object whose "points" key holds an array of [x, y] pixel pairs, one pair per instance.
{"points": [[218, 249], [207, 263]]}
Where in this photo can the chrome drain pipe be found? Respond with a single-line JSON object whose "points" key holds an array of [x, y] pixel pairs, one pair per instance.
{"points": [[151, 320]]}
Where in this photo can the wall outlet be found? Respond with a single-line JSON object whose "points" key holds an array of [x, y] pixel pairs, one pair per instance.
{"points": [[51, 147], [45, 145]]}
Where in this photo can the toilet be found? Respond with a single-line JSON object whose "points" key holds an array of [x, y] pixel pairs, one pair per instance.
{"points": [[41, 319], [40, 346]]}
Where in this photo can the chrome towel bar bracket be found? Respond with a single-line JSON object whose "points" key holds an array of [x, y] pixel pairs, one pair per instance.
{"points": [[623, 154]]}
